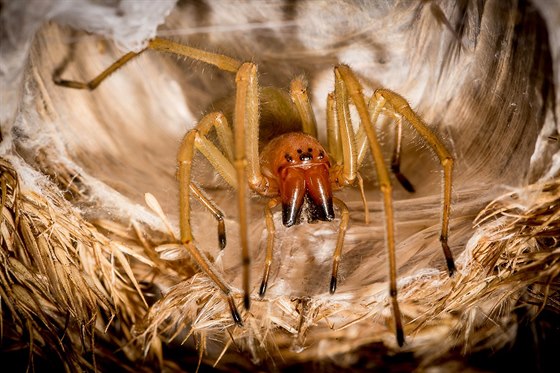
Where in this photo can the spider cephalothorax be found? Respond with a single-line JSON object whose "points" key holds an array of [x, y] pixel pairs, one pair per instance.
{"points": [[297, 167], [293, 166]]}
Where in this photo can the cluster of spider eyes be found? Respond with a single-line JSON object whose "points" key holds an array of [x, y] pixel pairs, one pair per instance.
{"points": [[304, 156]]}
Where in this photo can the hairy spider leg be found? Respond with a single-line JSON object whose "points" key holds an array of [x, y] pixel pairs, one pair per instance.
{"points": [[396, 158], [219, 122], [396, 103], [347, 137], [300, 98], [185, 158], [353, 88], [210, 151], [246, 155], [220, 61], [271, 230], [342, 141], [344, 217], [333, 134], [214, 210]]}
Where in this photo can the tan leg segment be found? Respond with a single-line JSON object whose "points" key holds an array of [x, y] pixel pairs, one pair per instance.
{"points": [[334, 138], [269, 243], [401, 106], [246, 156], [362, 142], [220, 61], [184, 158], [298, 92], [219, 122], [363, 196], [347, 139], [344, 217], [396, 159], [214, 210], [92, 84], [210, 151], [355, 93], [333, 133]]}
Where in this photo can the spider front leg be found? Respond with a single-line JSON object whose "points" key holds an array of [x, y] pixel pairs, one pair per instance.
{"points": [[349, 85], [246, 157]]}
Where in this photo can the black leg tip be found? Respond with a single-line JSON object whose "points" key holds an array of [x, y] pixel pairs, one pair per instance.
{"points": [[234, 313], [262, 289], [400, 337], [333, 285], [237, 318], [222, 241], [451, 267], [246, 301], [407, 185], [221, 233]]}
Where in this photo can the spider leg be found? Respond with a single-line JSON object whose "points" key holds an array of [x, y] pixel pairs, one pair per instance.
{"points": [[362, 142], [162, 45], [344, 217], [400, 106], [246, 156], [333, 133], [269, 242], [396, 159], [193, 139], [233, 174], [347, 138], [363, 197], [354, 89], [351, 150], [219, 122], [298, 92], [214, 210]]}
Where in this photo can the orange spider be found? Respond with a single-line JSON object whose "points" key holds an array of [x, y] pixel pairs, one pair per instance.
{"points": [[292, 168]]}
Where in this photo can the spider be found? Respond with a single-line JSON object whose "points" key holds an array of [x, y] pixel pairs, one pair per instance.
{"points": [[291, 168]]}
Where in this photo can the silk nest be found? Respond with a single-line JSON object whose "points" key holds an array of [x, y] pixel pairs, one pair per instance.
{"points": [[92, 276]]}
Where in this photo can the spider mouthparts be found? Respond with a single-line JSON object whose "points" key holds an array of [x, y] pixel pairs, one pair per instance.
{"points": [[310, 185], [321, 209], [291, 213], [293, 193]]}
